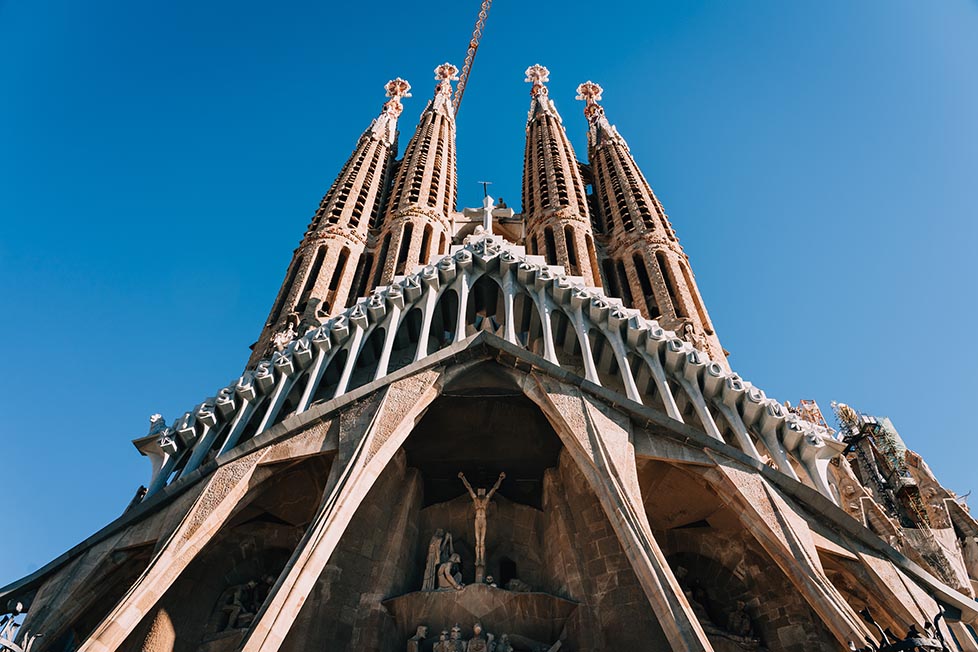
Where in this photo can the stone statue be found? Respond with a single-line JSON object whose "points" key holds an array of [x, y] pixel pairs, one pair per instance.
{"points": [[439, 549], [739, 622], [518, 586], [479, 642], [157, 424], [414, 643], [448, 575], [504, 645], [239, 606], [480, 502], [442, 645], [455, 643], [282, 338]]}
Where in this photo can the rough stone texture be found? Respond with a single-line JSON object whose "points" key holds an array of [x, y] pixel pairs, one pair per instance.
{"points": [[161, 636], [731, 567], [373, 561], [589, 565]]}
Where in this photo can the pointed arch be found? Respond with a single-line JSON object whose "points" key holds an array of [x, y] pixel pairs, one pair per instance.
{"points": [[486, 308], [311, 277], [406, 340], [444, 321], [574, 269], [425, 255], [405, 248]]}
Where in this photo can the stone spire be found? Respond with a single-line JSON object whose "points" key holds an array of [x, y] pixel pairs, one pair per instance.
{"points": [[645, 265], [324, 269], [555, 208], [416, 224]]}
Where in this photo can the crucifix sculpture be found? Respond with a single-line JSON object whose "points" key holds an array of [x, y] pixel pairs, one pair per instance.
{"points": [[480, 501]]}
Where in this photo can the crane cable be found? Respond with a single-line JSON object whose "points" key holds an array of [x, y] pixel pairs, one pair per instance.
{"points": [[480, 24]]}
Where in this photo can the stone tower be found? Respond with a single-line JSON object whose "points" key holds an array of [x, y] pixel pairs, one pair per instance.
{"points": [[328, 265], [555, 206], [416, 223], [644, 263], [487, 446]]}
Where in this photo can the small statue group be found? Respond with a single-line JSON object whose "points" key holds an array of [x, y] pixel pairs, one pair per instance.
{"points": [[243, 602], [481, 641], [739, 626], [442, 566]]}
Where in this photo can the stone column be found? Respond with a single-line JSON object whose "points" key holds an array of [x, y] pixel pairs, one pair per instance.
{"points": [[785, 536], [598, 441]]}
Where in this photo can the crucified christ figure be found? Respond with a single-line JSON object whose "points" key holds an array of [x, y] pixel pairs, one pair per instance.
{"points": [[480, 501]]}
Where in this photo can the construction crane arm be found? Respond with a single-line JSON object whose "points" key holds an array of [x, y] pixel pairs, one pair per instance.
{"points": [[463, 78]]}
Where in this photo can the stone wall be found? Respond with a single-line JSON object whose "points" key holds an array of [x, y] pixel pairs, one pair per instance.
{"points": [[731, 566]]}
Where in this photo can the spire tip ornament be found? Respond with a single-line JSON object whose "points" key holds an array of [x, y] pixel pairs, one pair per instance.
{"points": [[537, 75], [590, 93], [446, 73], [396, 89]]}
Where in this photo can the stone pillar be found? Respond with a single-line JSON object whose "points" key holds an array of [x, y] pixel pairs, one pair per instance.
{"points": [[599, 442], [785, 536]]}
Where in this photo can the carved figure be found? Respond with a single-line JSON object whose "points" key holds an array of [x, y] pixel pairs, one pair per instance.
{"points": [[455, 642], [439, 549], [480, 502], [448, 575], [157, 424], [479, 641], [238, 606], [517, 585], [739, 622], [490, 581], [414, 643], [443, 644], [282, 338], [504, 645]]}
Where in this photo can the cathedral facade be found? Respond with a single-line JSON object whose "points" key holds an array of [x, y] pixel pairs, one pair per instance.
{"points": [[486, 431]]}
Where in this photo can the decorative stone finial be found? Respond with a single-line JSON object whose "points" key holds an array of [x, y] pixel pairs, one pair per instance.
{"points": [[590, 93], [396, 89], [446, 73], [537, 75]]}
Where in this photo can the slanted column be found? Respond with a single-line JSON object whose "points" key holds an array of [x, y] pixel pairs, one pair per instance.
{"points": [[787, 539], [600, 445], [371, 433]]}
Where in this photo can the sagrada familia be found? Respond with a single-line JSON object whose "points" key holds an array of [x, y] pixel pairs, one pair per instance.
{"points": [[483, 430]]}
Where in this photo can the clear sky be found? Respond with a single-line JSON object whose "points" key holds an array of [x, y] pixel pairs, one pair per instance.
{"points": [[159, 161]]}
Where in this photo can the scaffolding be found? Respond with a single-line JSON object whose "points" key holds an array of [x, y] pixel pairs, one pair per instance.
{"points": [[882, 460], [808, 410]]}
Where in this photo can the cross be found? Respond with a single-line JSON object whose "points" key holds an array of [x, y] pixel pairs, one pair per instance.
{"points": [[486, 210]]}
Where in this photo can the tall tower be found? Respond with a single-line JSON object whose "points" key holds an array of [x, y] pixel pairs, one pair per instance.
{"points": [[416, 224], [321, 276], [558, 223], [645, 265]]}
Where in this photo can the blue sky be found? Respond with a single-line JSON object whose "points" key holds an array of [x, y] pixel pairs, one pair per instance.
{"points": [[159, 162]]}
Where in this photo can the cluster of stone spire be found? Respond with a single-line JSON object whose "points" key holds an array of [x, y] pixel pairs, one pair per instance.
{"points": [[383, 217]]}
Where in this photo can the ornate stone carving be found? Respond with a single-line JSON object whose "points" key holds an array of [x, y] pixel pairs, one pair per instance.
{"points": [[440, 548]]}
